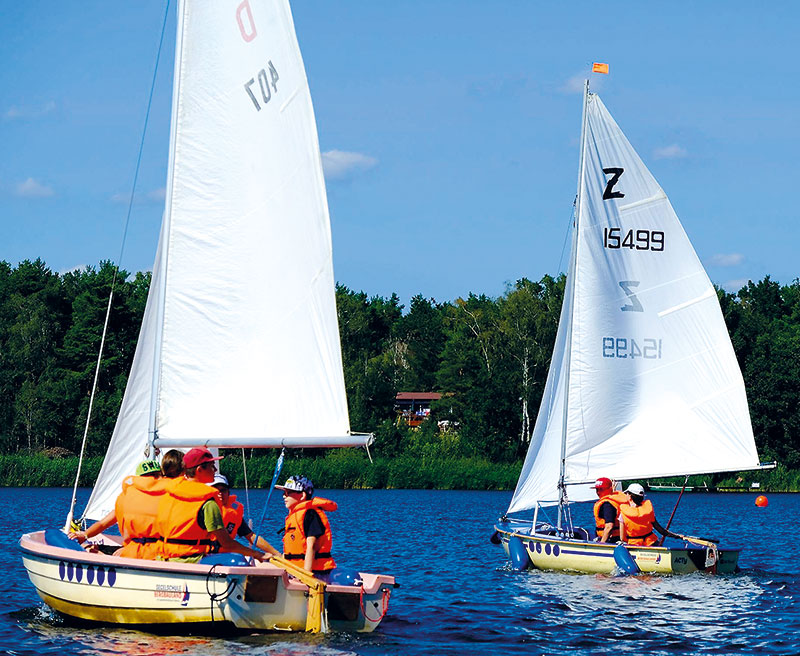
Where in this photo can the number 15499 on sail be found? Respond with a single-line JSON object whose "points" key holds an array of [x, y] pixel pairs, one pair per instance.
{"points": [[628, 347]]}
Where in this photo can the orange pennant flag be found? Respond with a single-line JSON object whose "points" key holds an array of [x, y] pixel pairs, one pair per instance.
{"points": [[600, 68]]}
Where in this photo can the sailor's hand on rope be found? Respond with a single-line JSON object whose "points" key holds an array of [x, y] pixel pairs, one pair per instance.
{"points": [[79, 536]]}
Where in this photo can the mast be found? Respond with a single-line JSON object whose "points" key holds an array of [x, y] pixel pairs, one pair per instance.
{"points": [[562, 502]]}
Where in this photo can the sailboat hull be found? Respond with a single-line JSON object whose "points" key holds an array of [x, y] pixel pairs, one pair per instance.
{"points": [[570, 555], [113, 590]]}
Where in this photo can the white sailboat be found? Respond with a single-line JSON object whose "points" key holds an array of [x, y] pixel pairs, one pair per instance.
{"points": [[239, 344], [643, 380]]}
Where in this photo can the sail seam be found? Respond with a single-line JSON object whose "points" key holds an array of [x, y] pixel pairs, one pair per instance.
{"points": [[288, 101], [709, 293], [660, 195]]}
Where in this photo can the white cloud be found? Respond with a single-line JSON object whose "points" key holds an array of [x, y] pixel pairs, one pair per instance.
{"points": [[673, 151], [157, 195], [726, 259], [733, 286], [339, 164], [151, 197], [574, 84], [16, 111], [73, 269], [33, 189]]}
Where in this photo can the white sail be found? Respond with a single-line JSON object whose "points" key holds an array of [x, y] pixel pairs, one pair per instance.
{"points": [[654, 385], [240, 339]]}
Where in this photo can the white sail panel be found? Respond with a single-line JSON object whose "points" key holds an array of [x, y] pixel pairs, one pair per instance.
{"points": [[240, 337], [250, 343], [129, 440], [654, 385], [538, 480]]}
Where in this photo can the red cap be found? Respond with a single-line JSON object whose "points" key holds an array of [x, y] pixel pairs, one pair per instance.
{"points": [[601, 483], [198, 456]]}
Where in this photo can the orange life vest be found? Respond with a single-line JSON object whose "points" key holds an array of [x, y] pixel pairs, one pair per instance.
{"points": [[177, 519], [294, 540], [639, 523], [136, 510], [232, 516], [616, 499]]}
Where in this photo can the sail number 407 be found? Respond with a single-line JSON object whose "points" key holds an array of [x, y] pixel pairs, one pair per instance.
{"points": [[625, 347], [262, 89], [640, 240]]}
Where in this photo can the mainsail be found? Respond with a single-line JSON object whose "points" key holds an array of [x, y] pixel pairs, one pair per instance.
{"points": [[240, 342], [642, 358]]}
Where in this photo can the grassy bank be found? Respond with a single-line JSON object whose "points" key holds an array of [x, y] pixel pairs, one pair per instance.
{"points": [[342, 469], [350, 469]]}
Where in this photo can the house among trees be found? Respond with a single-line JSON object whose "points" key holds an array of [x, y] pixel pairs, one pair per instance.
{"points": [[414, 407]]}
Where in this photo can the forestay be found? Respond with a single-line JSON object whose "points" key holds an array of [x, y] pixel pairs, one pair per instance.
{"points": [[240, 341], [654, 387]]}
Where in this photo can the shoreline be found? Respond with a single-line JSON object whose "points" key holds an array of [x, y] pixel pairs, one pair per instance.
{"points": [[353, 470]]}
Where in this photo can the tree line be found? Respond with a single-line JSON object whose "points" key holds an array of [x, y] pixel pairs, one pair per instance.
{"points": [[488, 356]]}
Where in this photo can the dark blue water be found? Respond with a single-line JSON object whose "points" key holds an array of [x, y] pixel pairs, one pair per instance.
{"points": [[458, 595]]}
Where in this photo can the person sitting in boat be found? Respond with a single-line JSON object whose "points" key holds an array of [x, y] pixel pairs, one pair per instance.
{"points": [[639, 519], [606, 510], [141, 490], [233, 517], [307, 534], [172, 463], [190, 514]]}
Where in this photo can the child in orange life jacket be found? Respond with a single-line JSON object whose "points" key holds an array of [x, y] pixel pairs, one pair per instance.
{"points": [[190, 516], [149, 469], [307, 535], [639, 520], [606, 510], [233, 517], [139, 493]]}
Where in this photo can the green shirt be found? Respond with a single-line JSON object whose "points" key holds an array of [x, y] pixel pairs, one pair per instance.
{"points": [[210, 518]]}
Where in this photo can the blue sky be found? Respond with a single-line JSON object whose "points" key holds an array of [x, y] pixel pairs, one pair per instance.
{"points": [[449, 131]]}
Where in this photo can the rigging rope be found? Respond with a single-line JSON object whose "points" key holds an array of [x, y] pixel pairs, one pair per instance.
{"points": [[384, 603], [70, 515], [278, 468], [213, 596], [246, 489]]}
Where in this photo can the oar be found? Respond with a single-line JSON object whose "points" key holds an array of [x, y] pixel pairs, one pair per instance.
{"points": [[315, 618]]}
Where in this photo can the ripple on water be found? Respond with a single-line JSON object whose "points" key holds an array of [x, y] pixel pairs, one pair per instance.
{"points": [[459, 596]]}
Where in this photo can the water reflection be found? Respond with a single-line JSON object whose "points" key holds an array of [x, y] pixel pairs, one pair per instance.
{"points": [[53, 632]]}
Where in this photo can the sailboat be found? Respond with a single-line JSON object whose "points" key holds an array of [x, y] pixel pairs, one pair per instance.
{"points": [[643, 380], [239, 344]]}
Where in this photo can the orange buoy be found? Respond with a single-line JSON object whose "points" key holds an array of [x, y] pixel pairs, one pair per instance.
{"points": [[762, 501]]}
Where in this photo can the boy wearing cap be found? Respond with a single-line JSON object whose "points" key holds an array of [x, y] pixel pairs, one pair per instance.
{"points": [[639, 520], [307, 534], [190, 514], [606, 510], [233, 517]]}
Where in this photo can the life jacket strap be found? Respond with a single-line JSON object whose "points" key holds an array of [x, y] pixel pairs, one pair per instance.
{"points": [[322, 554], [204, 542], [145, 540], [639, 537]]}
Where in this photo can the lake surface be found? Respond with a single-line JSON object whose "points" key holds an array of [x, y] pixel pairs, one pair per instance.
{"points": [[458, 595]]}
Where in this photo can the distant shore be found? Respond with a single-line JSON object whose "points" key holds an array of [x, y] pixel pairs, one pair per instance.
{"points": [[351, 469]]}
